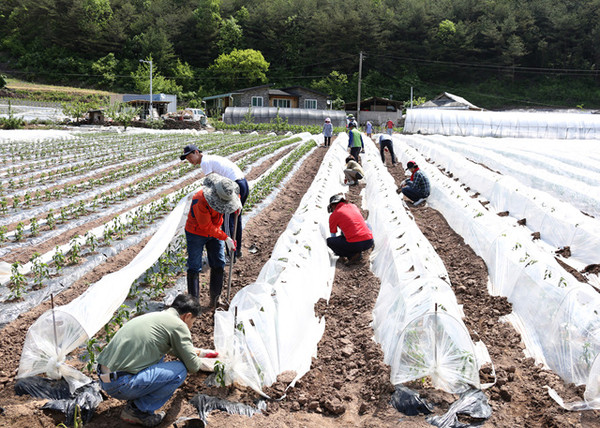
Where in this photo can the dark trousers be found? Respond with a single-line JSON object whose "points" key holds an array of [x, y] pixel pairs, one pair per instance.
{"points": [[244, 191], [343, 248], [390, 147], [327, 141], [412, 194], [355, 151]]}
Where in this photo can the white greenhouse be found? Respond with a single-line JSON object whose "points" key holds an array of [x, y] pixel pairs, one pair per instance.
{"points": [[553, 125]]}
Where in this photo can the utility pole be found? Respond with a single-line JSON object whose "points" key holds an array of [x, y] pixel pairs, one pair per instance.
{"points": [[359, 83], [149, 62]]}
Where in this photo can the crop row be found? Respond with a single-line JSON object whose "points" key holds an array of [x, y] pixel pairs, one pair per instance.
{"points": [[33, 276], [266, 184]]}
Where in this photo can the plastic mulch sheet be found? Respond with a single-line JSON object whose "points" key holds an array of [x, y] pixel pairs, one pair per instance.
{"points": [[87, 398]]}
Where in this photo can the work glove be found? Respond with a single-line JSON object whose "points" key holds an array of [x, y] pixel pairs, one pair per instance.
{"points": [[206, 353], [230, 244]]}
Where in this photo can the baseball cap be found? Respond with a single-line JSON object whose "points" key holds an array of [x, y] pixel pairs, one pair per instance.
{"points": [[190, 148]]}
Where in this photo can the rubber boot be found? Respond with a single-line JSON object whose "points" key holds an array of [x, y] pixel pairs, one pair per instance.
{"points": [[216, 286], [193, 283]]}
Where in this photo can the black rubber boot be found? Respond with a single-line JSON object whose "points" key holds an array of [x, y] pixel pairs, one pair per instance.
{"points": [[216, 285], [193, 283]]}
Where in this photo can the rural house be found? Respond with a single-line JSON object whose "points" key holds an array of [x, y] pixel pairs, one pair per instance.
{"points": [[447, 100], [266, 96], [377, 110], [161, 103]]}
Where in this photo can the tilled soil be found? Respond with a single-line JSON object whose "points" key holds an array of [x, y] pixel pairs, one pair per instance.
{"points": [[348, 384]]}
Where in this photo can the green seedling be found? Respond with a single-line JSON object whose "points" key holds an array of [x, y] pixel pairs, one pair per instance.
{"points": [[17, 282]]}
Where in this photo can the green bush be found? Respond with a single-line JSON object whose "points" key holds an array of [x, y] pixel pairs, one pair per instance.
{"points": [[11, 122], [275, 126]]}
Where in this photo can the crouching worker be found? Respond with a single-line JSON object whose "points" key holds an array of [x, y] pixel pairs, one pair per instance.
{"points": [[218, 196], [353, 171], [356, 236], [132, 367], [417, 187]]}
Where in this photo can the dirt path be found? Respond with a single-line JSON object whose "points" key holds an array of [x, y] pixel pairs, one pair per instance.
{"points": [[348, 384]]}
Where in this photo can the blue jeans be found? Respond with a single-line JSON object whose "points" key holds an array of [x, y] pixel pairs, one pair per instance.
{"points": [[151, 388], [215, 250], [413, 194]]}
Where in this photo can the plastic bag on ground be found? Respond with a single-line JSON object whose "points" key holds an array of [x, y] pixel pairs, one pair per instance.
{"points": [[409, 402], [473, 403], [206, 404], [87, 398]]}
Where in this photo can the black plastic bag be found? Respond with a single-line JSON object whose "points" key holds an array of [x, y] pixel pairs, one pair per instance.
{"points": [[87, 397], [206, 404], [42, 388], [409, 402], [473, 403]]}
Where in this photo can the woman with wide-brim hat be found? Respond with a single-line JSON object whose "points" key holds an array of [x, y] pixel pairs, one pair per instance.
{"points": [[218, 196]]}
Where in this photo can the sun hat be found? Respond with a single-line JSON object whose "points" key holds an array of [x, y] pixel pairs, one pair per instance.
{"points": [[411, 164], [221, 193], [335, 199], [327, 120], [190, 148]]}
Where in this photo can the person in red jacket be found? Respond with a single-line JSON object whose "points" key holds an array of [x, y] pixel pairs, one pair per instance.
{"points": [[356, 236], [390, 126], [218, 196]]}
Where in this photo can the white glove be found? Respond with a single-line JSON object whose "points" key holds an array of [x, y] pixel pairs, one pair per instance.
{"points": [[230, 244]]}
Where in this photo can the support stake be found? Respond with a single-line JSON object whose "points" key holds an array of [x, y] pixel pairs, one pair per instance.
{"points": [[54, 324]]}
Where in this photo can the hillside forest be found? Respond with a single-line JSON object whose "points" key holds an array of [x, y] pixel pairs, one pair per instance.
{"points": [[495, 53]]}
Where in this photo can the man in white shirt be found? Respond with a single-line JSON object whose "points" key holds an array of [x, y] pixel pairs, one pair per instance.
{"points": [[225, 168]]}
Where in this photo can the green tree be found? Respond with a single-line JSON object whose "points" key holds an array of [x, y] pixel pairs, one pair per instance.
{"points": [[97, 15], [240, 68], [155, 44], [206, 20], [446, 31], [184, 75], [106, 68], [78, 109], [335, 84], [160, 84], [122, 113], [230, 35]]}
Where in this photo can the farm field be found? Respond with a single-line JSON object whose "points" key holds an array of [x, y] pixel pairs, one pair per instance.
{"points": [[348, 383]]}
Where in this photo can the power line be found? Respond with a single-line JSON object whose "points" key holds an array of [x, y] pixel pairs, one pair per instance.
{"points": [[541, 70]]}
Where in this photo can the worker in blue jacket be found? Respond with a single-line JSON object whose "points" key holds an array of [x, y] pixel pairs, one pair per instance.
{"points": [[355, 141]]}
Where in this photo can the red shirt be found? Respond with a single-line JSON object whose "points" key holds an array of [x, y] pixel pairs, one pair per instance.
{"points": [[390, 124], [349, 220], [203, 220]]}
